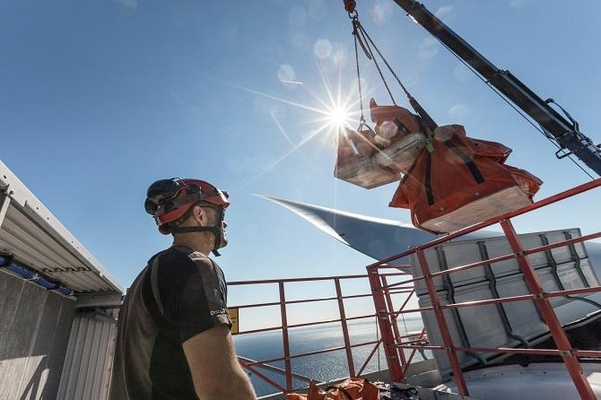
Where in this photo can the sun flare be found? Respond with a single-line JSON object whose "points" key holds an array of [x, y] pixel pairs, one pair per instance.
{"points": [[328, 112], [339, 116]]}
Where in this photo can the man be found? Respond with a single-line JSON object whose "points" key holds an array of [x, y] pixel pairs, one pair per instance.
{"points": [[174, 340]]}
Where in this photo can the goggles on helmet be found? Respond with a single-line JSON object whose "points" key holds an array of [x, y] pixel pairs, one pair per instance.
{"points": [[169, 199]]}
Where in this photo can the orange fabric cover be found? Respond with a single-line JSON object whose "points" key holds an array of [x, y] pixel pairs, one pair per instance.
{"points": [[357, 388], [458, 172], [392, 122]]}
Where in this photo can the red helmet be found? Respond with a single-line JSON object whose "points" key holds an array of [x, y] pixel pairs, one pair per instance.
{"points": [[168, 200]]}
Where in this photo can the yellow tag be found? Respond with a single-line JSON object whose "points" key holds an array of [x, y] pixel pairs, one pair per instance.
{"points": [[429, 144], [234, 317]]}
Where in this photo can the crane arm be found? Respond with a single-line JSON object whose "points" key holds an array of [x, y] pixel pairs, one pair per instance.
{"points": [[564, 131]]}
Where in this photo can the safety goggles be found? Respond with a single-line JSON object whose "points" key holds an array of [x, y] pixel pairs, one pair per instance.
{"points": [[165, 193]]}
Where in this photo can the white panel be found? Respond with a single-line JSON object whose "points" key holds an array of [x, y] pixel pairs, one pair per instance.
{"points": [[87, 369], [482, 325], [455, 254]]}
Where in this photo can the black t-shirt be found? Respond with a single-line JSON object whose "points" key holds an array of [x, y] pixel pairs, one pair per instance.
{"points": [[179, 294]]}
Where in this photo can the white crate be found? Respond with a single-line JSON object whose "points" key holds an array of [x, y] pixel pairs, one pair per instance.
{"points": [[365, 172], [401, 155], [455, 254], [483, 326]]}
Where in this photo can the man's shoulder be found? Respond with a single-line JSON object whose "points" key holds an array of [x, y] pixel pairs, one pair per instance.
{"points": [[174, 253], [182, 259]]}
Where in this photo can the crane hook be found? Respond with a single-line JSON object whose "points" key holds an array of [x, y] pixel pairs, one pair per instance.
{"points": [[349, 6]]}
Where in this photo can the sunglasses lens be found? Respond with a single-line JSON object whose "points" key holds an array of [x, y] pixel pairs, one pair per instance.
{"points": [[150, 207], [161, 190]]}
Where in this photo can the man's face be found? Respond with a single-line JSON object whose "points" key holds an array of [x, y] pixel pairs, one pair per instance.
{"points": [[214, 219]]}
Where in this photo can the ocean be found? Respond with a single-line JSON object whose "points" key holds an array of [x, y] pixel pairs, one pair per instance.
{"points": [[320, 367]]}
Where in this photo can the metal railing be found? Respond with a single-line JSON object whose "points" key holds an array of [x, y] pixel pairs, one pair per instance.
{"points": [[395, 344], [333, 312]]}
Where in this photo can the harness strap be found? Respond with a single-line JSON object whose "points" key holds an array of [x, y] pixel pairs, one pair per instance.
{"points": [[401, 126], [469, 163], [215, 229], [428, 179], [188, 229]]}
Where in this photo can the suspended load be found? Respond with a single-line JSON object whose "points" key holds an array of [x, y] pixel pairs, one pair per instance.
{"points": [[374, 157], [355, 163], [460, 181], [447, 180]]}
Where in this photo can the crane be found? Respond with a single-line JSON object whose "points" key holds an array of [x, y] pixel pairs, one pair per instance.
{"points": [[563, 130]]}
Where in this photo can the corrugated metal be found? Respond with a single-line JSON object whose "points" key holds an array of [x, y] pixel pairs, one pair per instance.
{"points": [[86, 372], [34, 334], [50, 348], [38, 240]]}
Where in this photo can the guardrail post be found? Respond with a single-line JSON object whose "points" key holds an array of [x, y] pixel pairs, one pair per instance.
{"points": [[385, 324], [543, 304], [345, 333], [442, 324], [285, 338], [394, 322]]}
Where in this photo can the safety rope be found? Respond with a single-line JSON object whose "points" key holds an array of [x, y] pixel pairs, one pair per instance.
{"points": [[370, 49], [362, 117], [365, 41]]}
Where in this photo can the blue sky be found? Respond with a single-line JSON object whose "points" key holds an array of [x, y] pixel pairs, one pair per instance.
{"points": [[99, 99]]}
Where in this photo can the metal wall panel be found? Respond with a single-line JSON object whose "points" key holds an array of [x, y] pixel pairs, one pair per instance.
{"points": [[34, 334], [87, 369], [39, 357]]}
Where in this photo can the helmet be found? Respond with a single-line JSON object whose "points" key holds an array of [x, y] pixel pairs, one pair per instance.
{"points": [[168, 200]]}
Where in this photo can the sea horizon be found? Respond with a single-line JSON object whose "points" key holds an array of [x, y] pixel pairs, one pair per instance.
{"points": [[322, 367]]}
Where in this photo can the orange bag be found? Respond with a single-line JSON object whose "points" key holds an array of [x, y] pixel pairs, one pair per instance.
{"points": [[393, 122], [350, 389], [462, 182]]}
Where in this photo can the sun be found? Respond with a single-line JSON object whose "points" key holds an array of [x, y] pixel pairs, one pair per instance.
{"points": [[331, 111], [338, 116]]}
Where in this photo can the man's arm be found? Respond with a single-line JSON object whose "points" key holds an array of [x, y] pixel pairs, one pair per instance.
{"points": [[215, 369]]}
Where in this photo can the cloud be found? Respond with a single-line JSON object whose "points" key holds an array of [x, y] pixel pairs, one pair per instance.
{"points": [[287, 76], [382, 12], [322, 49], [446, 14], [428, 48], [459, 111], [297, 17], [462, 73], [128, 5], [517, 3], [331, 56], [317, 9]]}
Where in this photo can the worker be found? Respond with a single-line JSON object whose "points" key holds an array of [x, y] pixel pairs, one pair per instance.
{"points": [[174, 338]]}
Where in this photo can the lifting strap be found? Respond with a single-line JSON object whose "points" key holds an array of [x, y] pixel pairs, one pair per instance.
{"points": [[363, 40]]}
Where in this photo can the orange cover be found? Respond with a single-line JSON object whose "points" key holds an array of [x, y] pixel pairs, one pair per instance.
{"points": [[392, 123], [350, 389], [461, 171]]}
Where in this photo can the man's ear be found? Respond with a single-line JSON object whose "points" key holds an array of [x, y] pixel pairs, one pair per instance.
{"points": [[199, 214]]}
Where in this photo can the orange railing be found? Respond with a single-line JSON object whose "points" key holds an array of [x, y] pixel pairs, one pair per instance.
{"points": [[291, 308], [395, 344]]}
